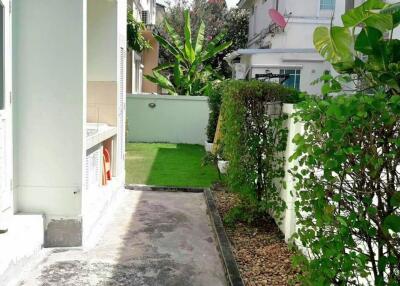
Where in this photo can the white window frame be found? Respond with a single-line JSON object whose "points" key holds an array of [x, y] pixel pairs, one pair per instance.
{"points": [[320, 8], [297, 75]]}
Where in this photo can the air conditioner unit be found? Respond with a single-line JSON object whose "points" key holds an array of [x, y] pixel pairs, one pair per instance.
{"points": [[240, 71]]}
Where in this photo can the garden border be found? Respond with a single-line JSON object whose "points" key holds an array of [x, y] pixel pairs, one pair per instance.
{"points": [[224, 247], [139, 187]]}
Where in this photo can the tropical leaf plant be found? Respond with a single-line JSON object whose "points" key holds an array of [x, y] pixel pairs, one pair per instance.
{"points": [[364, 45], [346, 160], [188, 74], [135, 38]]}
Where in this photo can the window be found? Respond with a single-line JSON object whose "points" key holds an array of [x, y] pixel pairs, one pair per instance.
{"points": [[145, 17], [327, 4], [294, 78]]}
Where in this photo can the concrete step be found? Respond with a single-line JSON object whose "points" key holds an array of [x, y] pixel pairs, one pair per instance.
{"points": [[23, 240]]}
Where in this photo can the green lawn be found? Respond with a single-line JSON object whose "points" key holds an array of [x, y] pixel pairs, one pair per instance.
{"points": [[160, 164]]}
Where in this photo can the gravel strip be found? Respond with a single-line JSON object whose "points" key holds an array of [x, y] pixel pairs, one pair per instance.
{"points": [[260, 250]]}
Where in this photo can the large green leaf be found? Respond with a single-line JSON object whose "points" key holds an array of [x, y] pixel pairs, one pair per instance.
{"points": [[215, 41], [392, 222], [174, 36], [394, 10], [194, 68], [178, 75], [189, 51], [162, 81], [366, 13], [214, 51], [391, 9], [163, 67], [367, 41], [382, 22], [335, 44], [200, 38], [168, 46]]}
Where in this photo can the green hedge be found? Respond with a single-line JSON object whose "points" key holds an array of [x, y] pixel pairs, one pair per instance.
{"points": [[214, 94], [348, 185], [252, 140]]}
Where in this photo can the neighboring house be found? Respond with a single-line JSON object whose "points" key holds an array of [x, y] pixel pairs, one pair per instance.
{"points": [[134, 65], [139, 64], [290, 50], [68, 107]]}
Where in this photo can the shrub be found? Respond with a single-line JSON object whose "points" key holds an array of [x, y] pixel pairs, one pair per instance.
{"points": [[253, 134], [348, 181], [214, 94], [348, 188], [135, 39]]}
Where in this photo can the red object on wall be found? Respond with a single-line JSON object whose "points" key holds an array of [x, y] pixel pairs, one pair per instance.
{"points": [[107, 163], [277, 18]]}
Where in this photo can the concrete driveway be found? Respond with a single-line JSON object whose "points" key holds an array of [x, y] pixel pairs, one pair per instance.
{"points": [[153, 238]]}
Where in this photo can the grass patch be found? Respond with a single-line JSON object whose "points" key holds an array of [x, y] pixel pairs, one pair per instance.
{"points": [[160, 164]]}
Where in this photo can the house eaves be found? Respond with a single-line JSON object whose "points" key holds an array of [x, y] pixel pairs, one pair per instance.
{"points": [[240, 52]]}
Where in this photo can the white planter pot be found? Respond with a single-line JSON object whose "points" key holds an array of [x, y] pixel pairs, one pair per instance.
{"points": [[208, 146], [223, 166]]}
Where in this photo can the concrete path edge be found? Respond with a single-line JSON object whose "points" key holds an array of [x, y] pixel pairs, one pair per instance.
{"points": [[224, 246], [139, 187]]}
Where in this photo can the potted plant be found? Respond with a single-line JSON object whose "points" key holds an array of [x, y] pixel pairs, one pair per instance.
{"points": [[222, 163], [223, 166]]}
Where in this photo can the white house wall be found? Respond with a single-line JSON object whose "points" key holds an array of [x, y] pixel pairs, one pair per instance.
{"points": [[302, 16], [298, 35], [50, 88], [106, 67], [6, 164], [102, 61], [102, 40], [311, 66]]}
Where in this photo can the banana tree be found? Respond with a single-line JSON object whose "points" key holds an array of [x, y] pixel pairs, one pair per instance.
{"points": [[188, 74], [364, 45]]}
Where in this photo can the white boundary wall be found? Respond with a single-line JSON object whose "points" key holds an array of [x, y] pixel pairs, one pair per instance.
{"points": [[167, 118], [288, 224]]}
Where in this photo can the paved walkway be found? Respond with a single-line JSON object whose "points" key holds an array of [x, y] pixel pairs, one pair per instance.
{"points": [[154, 238]]}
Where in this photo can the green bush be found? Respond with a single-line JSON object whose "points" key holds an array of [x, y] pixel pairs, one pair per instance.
{"points": [[348, 181], [214, 94], [252, 137], [348, 207], [135, 39]]}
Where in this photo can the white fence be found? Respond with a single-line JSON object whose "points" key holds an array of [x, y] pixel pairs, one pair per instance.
{"points": [[288, 224], [167, 118]]}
